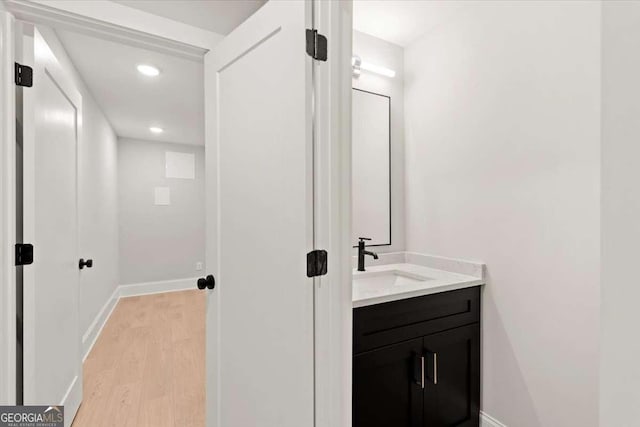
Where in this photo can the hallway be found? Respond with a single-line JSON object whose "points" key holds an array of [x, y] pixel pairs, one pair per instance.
{"points": [[147, 366]]}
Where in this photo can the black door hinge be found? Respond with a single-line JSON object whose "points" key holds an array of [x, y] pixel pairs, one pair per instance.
{"points": [[316, 45], [317, 263], [24, 75], [24, 254]]}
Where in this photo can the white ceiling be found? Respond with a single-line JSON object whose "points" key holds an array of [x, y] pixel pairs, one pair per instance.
{"points": [[132, 102], [175, 99], [219, 16], [402, 21]]}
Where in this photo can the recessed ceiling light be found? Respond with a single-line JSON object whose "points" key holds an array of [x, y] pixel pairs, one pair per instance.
{"points": [[148, 70], [156, 129]]}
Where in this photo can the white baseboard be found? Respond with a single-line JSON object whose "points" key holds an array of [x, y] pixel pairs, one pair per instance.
{"points": [[487, 420], [147, 288], [90, 337], [71, 401], [124, 291]]}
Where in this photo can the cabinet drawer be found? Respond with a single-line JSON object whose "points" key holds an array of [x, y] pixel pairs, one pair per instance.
{"points": [[383, 324]]}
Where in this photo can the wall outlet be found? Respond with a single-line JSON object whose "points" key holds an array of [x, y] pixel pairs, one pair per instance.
{"points": [[198, 266]]}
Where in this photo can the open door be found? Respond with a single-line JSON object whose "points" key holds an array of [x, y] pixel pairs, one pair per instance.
{"points": [[52, 111], [260, 316]]}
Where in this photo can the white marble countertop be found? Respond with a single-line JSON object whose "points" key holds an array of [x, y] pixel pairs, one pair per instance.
{"points": [[391, 282]]}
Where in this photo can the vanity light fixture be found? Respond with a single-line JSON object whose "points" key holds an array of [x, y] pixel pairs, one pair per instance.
{"points": [[148, 70], [358, 65], [155, 129]]}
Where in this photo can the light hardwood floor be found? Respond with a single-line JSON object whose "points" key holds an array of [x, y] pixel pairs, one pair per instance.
{"points": [[147, 367]]}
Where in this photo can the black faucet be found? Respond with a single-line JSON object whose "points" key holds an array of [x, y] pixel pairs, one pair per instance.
{"points": [[362, 252]]}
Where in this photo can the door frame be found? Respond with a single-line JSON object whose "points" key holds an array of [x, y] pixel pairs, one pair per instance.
{"points": [[332, 169]]}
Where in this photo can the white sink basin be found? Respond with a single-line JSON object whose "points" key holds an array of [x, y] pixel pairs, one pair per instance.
{"points": [[391, 282], [387, 278]]}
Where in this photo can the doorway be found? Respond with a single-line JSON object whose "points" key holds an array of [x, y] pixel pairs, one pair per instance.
{"points": [[111, 187]]}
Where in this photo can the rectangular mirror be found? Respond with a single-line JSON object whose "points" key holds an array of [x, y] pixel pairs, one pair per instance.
{"points": [[371, 167]]}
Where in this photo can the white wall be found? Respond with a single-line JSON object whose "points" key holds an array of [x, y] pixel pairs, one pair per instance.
{"points": [[503, 166], [97, 197], [159, 243], [620, 346], [380, 52]]}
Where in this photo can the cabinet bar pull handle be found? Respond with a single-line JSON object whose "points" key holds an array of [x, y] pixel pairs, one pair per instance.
{"points": [[435, 368], [422, 372]]}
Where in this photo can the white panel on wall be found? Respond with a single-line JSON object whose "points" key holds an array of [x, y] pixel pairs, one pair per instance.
{"points": [[162, 196], [180, 165]]}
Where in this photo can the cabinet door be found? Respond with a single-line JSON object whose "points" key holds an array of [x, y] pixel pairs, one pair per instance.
{"points": [[452, 389], [386, 386]]}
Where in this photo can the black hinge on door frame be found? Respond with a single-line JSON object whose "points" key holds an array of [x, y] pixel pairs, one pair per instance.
{"points": [[24, 253], [23, 75], [317, 263], [316, 45]]}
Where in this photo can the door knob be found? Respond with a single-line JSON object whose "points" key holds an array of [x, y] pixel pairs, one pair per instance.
{"points": [[211, 281], [208, 282], [82, 263]]}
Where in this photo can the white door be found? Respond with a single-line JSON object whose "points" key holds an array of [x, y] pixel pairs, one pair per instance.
{"points": [[260, 333], [52, 117]]}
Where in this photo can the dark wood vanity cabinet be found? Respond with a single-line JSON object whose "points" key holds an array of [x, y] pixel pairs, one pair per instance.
{"points": [[416, 362]]}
